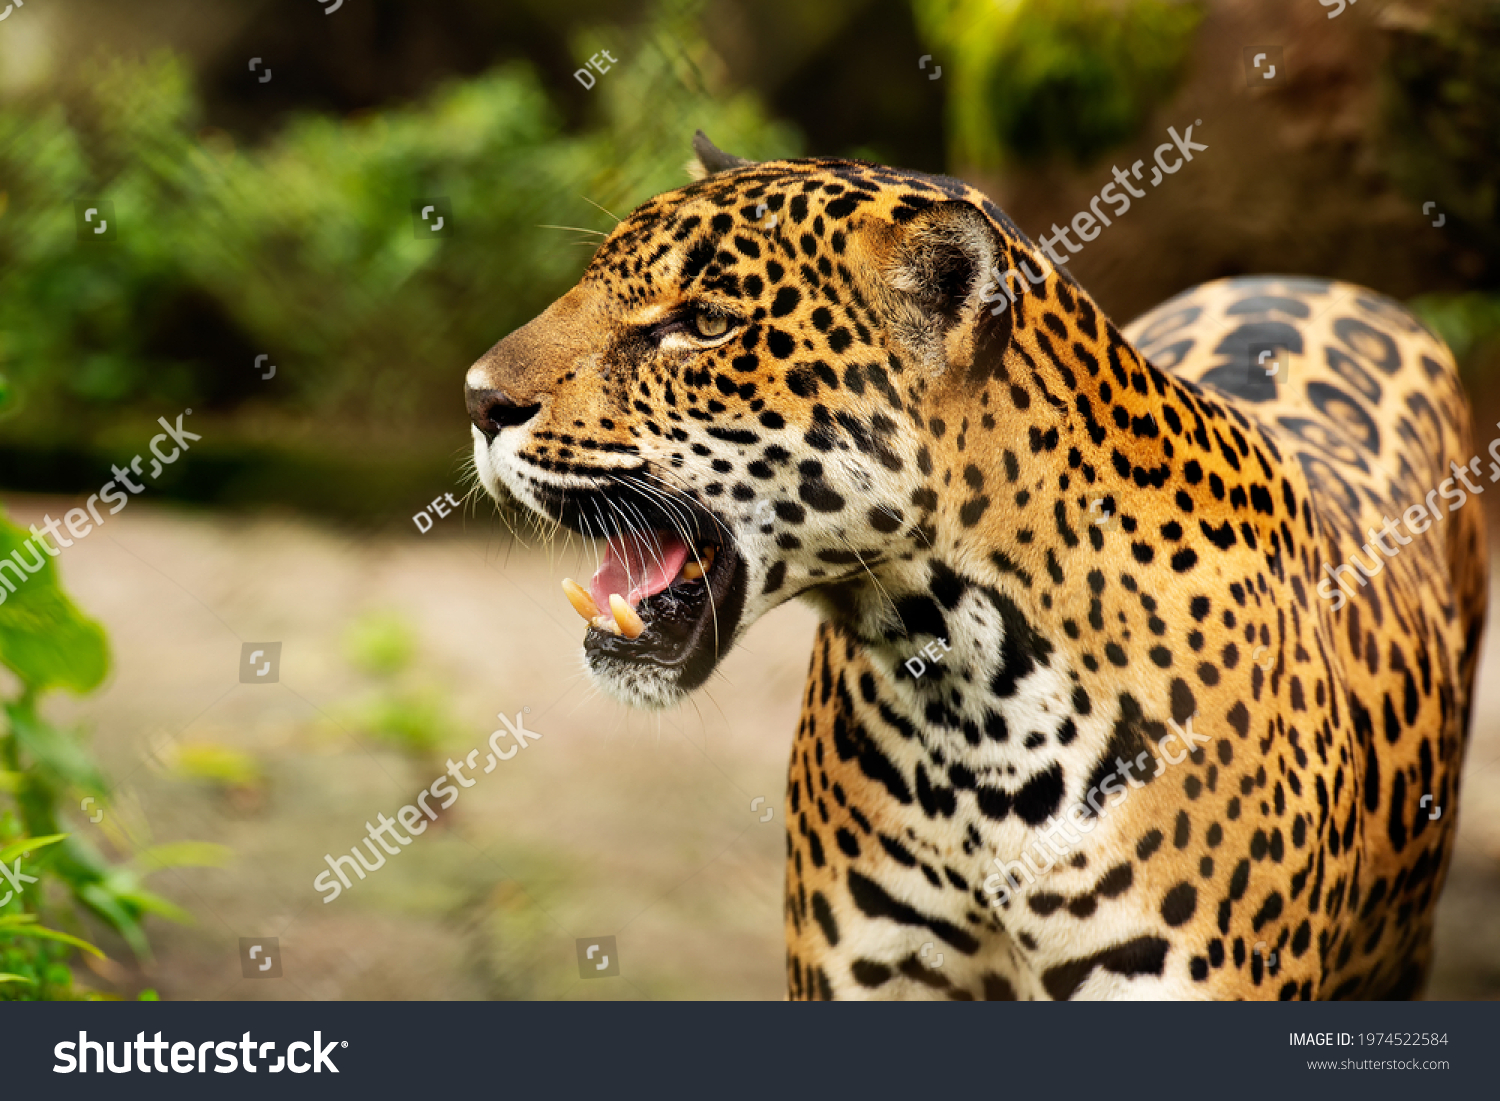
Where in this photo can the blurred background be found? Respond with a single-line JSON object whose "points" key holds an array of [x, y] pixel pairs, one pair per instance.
{"points": [[264, 164]]}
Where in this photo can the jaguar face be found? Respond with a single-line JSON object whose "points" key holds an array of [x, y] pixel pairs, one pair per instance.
{"points": [[578, 451], [717, 401]]}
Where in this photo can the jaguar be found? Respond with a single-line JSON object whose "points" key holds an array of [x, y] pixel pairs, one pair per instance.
{"points": [[1127, 683]]}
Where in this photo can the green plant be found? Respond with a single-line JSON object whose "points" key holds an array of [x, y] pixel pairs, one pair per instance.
{"points": [[1034, 79], [47, 643], [380, 643], [35, 955], [411, 717], [1469, 322], [237, 776], [415, 721], [303, 247], [1442, 114]]}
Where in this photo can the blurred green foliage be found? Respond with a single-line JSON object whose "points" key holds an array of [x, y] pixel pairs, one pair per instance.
{"points": [[415, 721], [1443, 118], [304, 249], [1467, 321], [405, 713], [46, 642], [221, 765], [1035, 80], [380, 643], [1443, 114]]}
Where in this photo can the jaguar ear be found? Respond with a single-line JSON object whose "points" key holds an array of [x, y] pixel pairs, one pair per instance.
{"points": [[941, 275], [711, 159]]}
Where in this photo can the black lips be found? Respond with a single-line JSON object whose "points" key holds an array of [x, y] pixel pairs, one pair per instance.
{"points": [[689, 626]]}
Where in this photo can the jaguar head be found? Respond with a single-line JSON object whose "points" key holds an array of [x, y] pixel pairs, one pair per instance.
{"points": [[736, 399]]}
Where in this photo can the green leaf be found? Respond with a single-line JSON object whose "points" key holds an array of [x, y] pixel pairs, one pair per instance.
{"points": [[381, 643], [44, 639], [183, 854], [151, 903], [107, 905], [56, 751], [220, 764], [1034, 80], [43, 932], [27, 844], [6, 976]]}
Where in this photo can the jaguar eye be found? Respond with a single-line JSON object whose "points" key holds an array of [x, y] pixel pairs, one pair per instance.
{"points": [[710, 326]]}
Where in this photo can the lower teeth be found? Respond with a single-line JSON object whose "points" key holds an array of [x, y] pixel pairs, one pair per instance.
{"points": [[621, 618], [691, 571]]}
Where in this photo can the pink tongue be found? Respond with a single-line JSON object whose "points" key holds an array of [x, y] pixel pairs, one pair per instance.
{"points": [[637, 566]]}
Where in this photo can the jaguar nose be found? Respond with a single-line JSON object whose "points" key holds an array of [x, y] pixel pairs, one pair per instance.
{"points": [[492, 410]]}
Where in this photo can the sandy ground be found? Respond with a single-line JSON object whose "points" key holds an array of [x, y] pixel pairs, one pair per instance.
{"points": [[613, 823]]}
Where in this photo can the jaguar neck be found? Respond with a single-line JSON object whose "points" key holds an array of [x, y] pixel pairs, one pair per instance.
{"points": [[1038, 456]]}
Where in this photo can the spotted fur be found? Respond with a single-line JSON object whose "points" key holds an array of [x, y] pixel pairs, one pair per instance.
{"points": [[1119, 539]]}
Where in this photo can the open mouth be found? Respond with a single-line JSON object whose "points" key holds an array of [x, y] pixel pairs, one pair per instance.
{"points": [[668, 593]]}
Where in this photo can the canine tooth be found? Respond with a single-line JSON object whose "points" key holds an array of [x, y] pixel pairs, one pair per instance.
{"points": [[691, 571], [630, 625], [579, 597]]}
